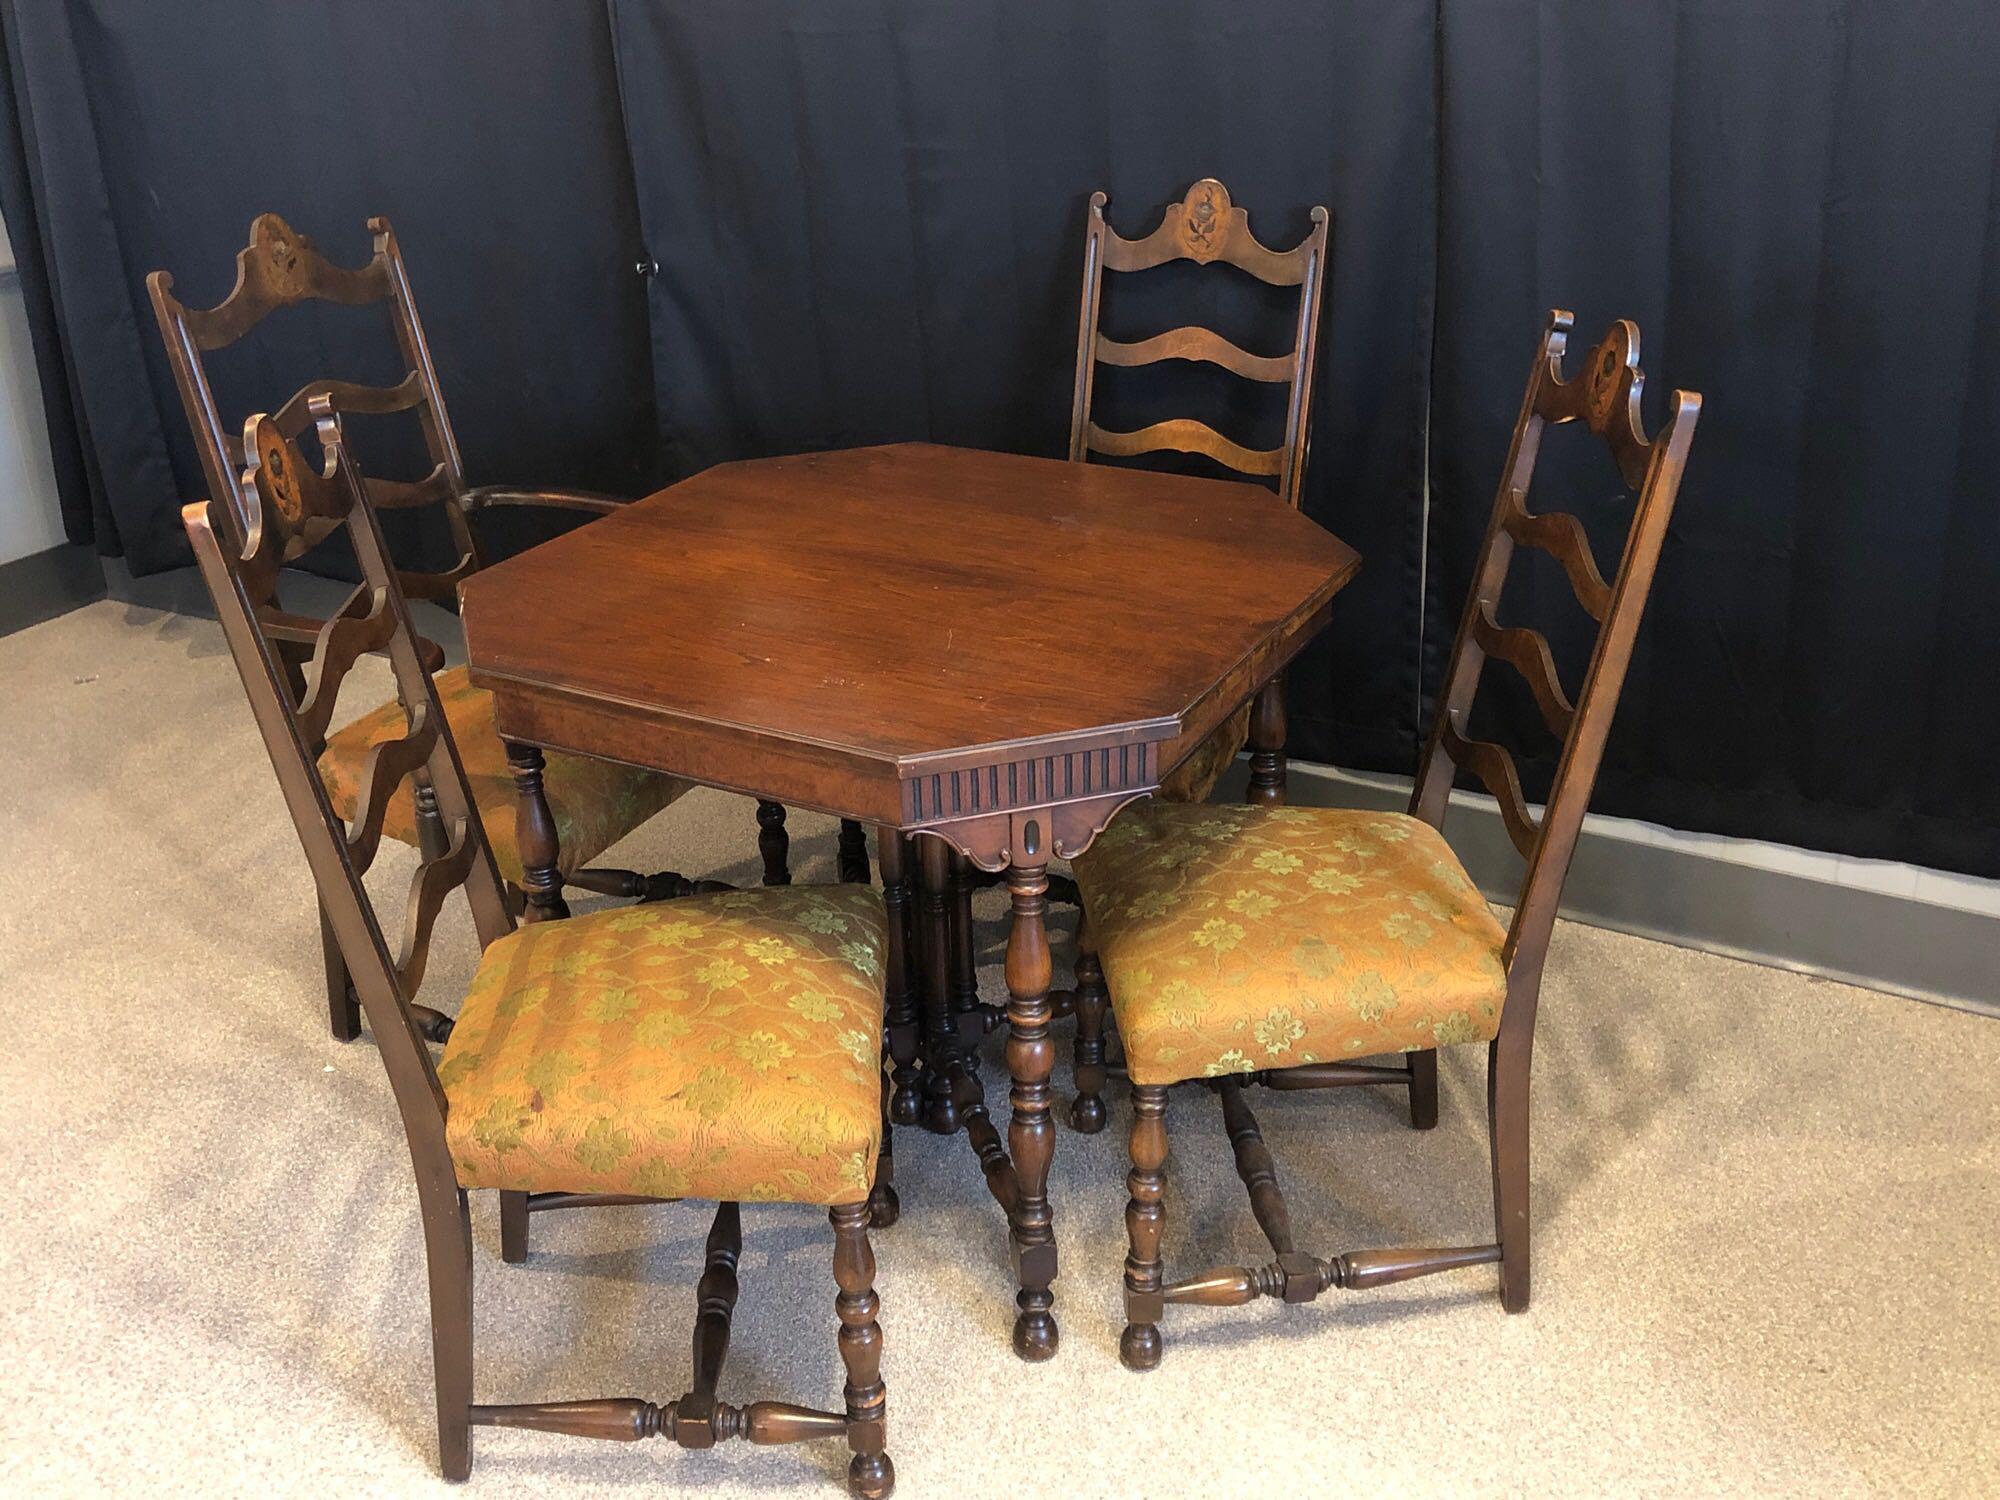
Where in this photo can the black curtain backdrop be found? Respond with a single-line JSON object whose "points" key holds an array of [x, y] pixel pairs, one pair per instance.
{"points": [[1795, 200], [867, 219], [869, 222], [489, 136]]}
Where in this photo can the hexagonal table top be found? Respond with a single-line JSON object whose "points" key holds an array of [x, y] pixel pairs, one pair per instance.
{"points": [[908, 635]]}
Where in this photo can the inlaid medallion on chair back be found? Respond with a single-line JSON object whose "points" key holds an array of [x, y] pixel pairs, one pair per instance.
{"points": [[1604, 399], [282, 268], [287, 506], [1205, 228]]}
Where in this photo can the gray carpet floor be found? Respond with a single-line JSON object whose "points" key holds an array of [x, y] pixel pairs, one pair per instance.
{"points": [[1767, 1253]]}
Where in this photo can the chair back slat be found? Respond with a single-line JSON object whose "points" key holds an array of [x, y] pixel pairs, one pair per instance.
{"points": [[388, 764], [434, 880], [1186, 435], [373, 400], [1527, 652], [281, 268], [1494, 766], [1198, 344], [1605, 399], [343, 640], [1205, 228], [289, 500], [1560, 534]]}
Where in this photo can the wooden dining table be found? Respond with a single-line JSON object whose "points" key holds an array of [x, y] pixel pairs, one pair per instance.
{"points": [[984, 655]]}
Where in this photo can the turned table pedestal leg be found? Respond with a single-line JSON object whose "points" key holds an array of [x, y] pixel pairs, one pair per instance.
{"points": [[1030, 1132]]}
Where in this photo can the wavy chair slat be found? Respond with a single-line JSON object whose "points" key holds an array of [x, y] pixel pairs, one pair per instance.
{"points": [[375, 400], [393, 494], [1561, 535], [1185, 435], [434, 880], [1527, 652], [388, 763], [1494, 766], [1198, 344], [343, 640]]}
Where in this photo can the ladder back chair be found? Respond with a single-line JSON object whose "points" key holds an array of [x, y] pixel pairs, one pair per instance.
{"points": [[1204, 228], [1273, 945], [725, 1047], [591, 804]]}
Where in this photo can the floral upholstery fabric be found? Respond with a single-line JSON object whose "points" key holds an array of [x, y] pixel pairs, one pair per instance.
{"points": [[1194, 778], [595, 802], [725, 1047], [1238, 938]]}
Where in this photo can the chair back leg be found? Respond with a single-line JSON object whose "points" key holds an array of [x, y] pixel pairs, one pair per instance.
{"points": [[448, 1248], [343, 1009], [1507, 1061]]}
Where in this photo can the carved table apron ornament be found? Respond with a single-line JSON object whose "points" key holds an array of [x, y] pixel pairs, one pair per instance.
{"points": [[984, 655]]}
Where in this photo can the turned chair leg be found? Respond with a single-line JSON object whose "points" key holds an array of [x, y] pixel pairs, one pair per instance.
{"points": [[343, 1008], [1145, 1219], [774, 843], [1507, 1120], [513, 1227], [448, 1249], [870, 1474], [1087, 1114], [1423, 1068]]}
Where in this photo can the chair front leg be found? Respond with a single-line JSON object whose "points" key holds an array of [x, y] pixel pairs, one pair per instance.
{"points": [[1145, 1219], [870, 1474]]}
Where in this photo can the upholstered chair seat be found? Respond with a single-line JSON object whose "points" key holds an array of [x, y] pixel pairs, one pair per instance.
{"points": [[1237, 938], [595, 802], [725, 1046]]}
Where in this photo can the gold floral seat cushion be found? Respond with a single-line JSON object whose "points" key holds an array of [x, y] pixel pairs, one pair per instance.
{"points": [[595, 802], [724, 1047], [1237, 938]]}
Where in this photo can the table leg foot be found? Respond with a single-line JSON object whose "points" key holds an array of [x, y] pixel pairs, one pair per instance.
{"points": [[1035, 1336]]}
